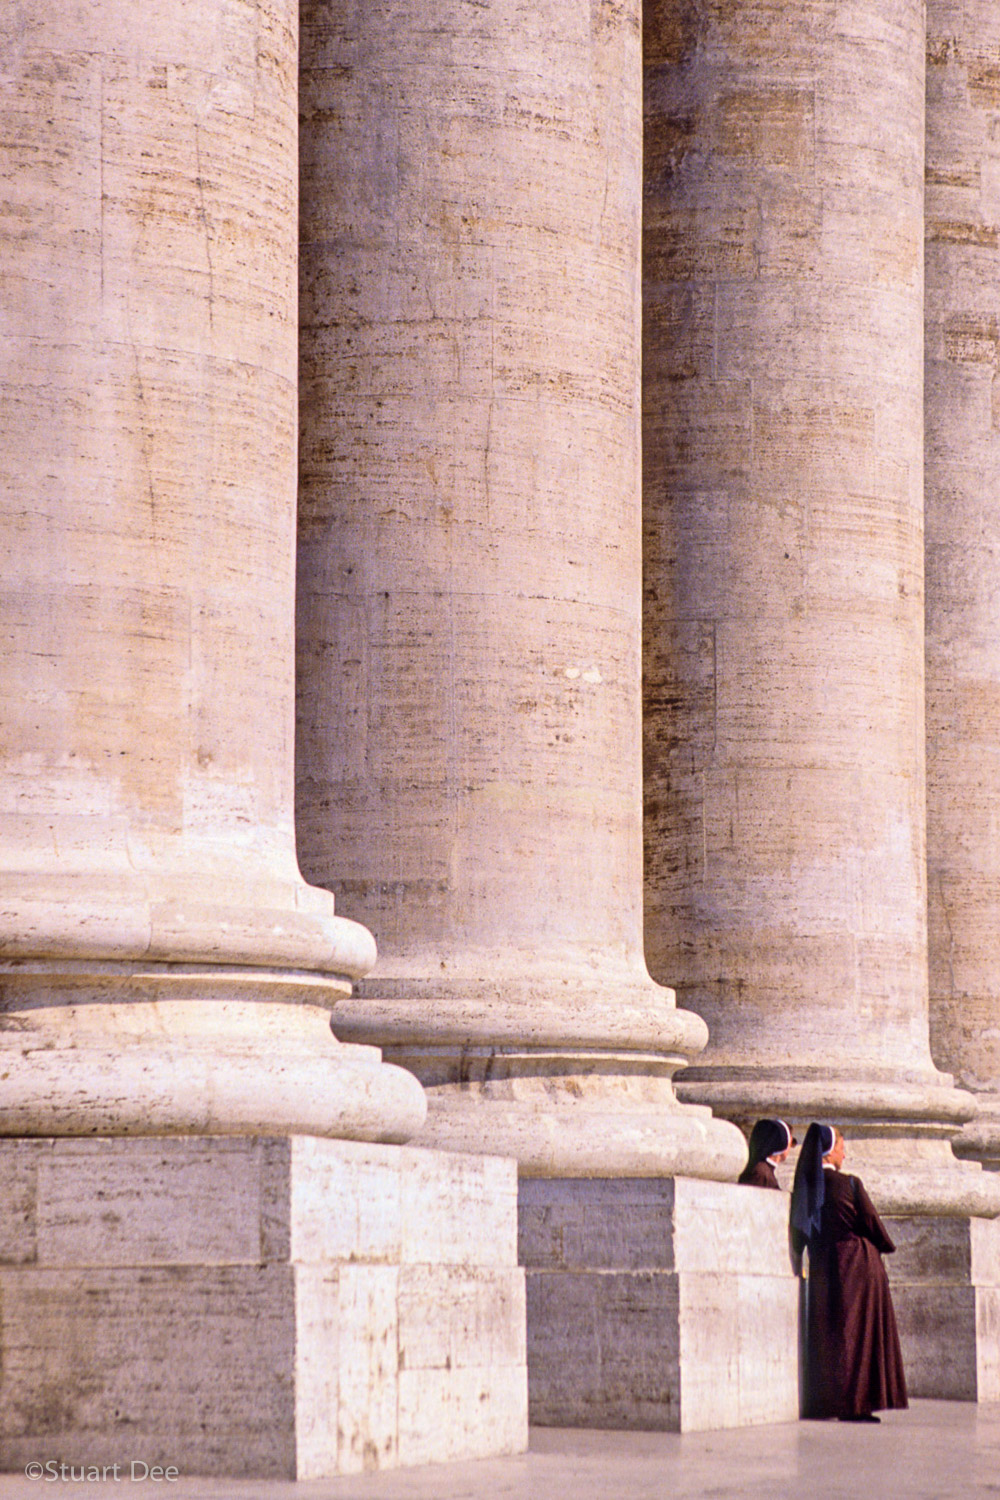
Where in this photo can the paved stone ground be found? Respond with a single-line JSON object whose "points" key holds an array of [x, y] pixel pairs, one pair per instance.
{"points": [[939, 1450]]}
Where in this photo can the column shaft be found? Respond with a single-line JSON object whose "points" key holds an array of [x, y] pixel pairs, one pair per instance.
{"points": [[469, 594], [962, 477]]}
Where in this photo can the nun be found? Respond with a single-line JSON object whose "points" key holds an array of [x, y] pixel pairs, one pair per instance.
{"points": [[770, 1143], [853, 1362]]}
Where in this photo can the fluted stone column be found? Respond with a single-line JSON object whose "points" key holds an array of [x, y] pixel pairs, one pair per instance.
{"points": [[962, 477], [783, 454], [469, 590], [163, 966]]}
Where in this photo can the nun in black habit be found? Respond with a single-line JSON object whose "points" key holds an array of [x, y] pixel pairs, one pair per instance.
{"points": [[770, 1142], [854, 1366]]}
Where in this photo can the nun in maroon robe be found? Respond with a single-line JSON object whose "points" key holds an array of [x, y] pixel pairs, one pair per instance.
{"points": [[770, 1142], [854, 1366]]}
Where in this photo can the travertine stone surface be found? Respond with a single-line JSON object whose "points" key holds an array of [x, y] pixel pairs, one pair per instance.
{"points": [[468, 751], [962, 479], [783, 454], [658, 1305], [945, 1276], [148, 335], [269, 1307]]}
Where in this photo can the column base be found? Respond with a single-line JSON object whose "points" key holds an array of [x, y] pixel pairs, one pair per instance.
{"points": [[658, 1305], [571, 1077], [980, 1139], [899, 1130], [181, 1049], [945, 1277], [267, 1308], [583, 1116]]}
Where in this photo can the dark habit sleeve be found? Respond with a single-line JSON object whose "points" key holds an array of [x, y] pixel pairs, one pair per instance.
{"points": [[868, 1222]]}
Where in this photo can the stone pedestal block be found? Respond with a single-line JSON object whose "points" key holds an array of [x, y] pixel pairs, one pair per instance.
{"points": [[945, 1279], [658, 1304], [269, 1307]]}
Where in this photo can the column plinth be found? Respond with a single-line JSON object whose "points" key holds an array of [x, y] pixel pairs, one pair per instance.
{"points": [[261, 1308]]}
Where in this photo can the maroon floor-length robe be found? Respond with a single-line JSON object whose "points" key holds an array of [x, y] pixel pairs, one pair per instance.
{"points": [[853, 1360]]}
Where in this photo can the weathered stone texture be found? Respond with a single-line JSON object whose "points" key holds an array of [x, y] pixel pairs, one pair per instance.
{"points": [[655, 1305], [258, 1307], [469, 522], [945, 1277], [962, 315], [469, 552], [782, 431], [149, 335], [150, 898], [783, 455]]}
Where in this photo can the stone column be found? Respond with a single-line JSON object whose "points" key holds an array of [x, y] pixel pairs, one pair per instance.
{"points": [[962, 477], [783, 443], [469, 593], [165, 972], [164, 967]]}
